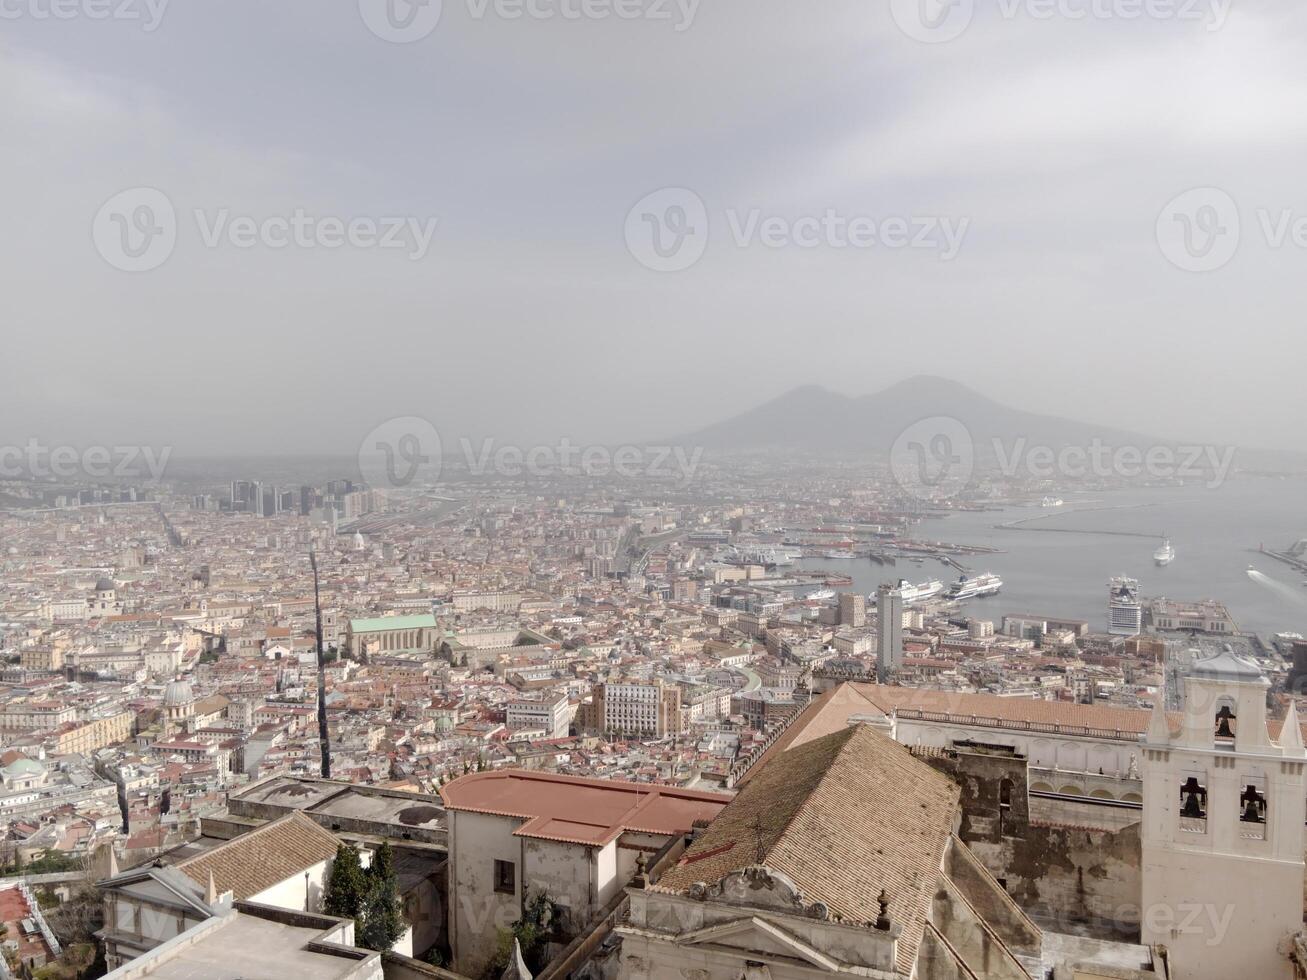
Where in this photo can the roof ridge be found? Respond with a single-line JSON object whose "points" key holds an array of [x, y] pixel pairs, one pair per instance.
{"points": [[308, 822]]}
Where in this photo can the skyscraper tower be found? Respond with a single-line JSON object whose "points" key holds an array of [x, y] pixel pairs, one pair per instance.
{"points": [[889, 639]]}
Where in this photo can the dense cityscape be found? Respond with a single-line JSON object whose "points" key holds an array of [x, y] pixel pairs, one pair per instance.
{"points": [[165, 696], [653, 490]]}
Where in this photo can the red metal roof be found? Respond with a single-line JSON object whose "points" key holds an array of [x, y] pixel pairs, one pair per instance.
{"points": [[579, 810]]}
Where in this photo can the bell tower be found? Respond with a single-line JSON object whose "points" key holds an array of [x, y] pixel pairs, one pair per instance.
{"points": [[1222, 831]]}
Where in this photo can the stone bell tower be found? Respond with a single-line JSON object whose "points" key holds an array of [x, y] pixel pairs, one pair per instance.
{"points": [[1222, 829]]}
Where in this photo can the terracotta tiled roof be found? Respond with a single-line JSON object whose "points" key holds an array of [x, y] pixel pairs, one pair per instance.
{"points": [[260, 859], [579, 809], [833, 710], [844, 816]]}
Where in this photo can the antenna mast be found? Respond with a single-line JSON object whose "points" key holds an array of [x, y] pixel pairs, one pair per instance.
{"points": [[324, 739]]}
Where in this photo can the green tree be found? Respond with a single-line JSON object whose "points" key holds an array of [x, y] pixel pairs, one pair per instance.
{"points": [[533, 932], [383, 919], [347, 886]]}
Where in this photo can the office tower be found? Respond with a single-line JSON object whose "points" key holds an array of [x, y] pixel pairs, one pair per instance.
{"points": [[853, 609], [889, 641]]}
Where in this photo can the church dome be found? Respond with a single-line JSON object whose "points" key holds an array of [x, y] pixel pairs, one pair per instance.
{"points": [[177, 693], [23, 767]]}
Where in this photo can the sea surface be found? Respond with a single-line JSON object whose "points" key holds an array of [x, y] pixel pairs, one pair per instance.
{"points": [[1063, 568]]}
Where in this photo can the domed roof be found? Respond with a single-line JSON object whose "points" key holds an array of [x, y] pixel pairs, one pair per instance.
{"points": [[23, 767], [178, 692], [104, 585]]}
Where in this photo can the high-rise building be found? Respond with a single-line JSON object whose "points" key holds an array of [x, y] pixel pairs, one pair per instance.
{"points": [[853, 609], [889, 642]]}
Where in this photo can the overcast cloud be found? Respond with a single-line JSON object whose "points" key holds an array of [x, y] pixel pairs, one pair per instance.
{"points": [[1055, 143]]}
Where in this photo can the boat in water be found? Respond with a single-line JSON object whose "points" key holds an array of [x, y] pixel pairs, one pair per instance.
{"points": [[916, 593], [1125, 613], [975, 587], [1053, 502], [1165, 554]]}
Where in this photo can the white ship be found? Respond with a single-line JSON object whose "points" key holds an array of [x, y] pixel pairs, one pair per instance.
{"points": [[1125, 614], [770, 556], [916, 593], [980, 586], [1165, 554], [1053, 502], [839, 554]]}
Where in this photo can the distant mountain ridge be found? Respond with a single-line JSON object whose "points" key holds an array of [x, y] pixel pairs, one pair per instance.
{"points": [[814, 418]]}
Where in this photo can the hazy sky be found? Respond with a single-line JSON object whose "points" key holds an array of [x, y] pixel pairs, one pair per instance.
{"points": [[1053, 144]]}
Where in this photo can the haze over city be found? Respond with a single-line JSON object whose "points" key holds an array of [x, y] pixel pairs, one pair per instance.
{"points": [[1059, 141], [653, 490]]}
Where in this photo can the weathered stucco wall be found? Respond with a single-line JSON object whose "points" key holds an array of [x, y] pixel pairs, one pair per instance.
{"points": [[1071, 878]]}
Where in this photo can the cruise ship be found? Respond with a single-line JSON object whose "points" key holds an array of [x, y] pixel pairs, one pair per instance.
{"points": [[1125, 614], [771, 556], [980, 586], [1165, 554], [916, 593]]}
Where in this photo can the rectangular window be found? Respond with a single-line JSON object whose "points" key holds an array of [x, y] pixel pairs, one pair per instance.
{"points": [[506, 877]]}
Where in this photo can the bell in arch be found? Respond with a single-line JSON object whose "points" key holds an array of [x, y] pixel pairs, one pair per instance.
{"points": [[1191, 792], [1223, 719], [1254, 804]]}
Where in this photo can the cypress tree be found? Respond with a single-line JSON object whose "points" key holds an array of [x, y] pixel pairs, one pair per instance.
{"points": [[346, 886], [383, 920]]}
